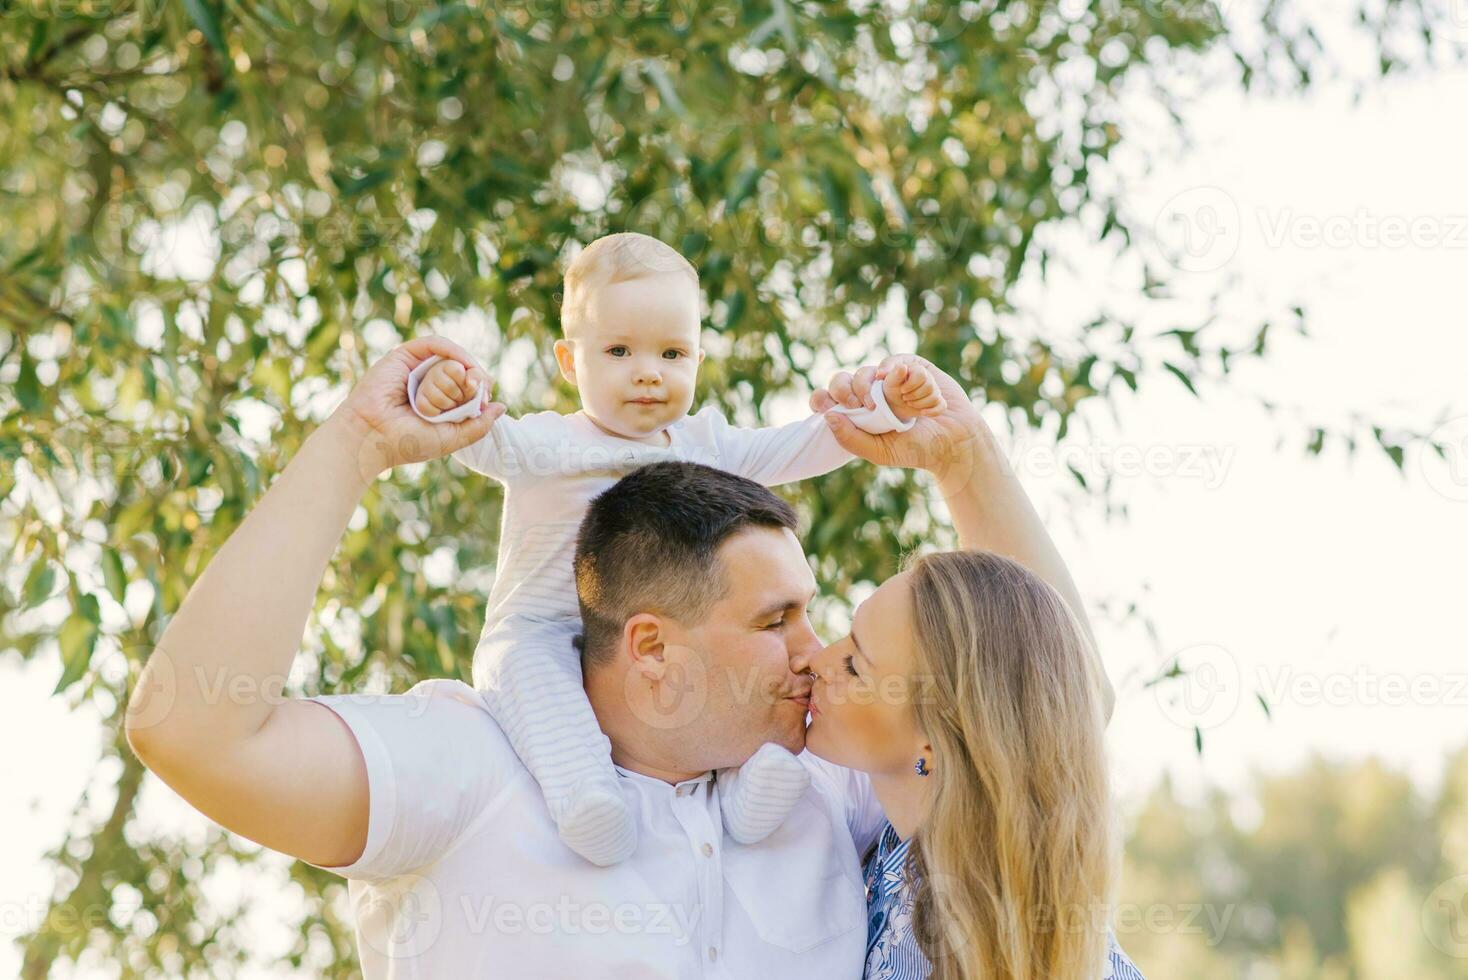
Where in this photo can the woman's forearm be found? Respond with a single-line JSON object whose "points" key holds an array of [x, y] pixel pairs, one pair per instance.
{"points": [[991, 512], [221, 663]]}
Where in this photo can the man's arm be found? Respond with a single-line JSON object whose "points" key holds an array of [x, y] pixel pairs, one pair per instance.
{"points": [[207, 715], [989, 507]]}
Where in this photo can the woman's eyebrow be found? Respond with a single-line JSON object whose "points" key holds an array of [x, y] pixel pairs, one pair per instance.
{"points": [[857, 643]]}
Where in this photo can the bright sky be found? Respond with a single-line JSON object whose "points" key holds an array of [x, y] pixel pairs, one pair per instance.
{"points": [[1333, 586]]}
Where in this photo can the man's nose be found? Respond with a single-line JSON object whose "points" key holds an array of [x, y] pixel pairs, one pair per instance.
{"points": [[804, 648]]}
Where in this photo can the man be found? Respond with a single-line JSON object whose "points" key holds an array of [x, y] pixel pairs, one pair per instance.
{"points": [[694, 591]]}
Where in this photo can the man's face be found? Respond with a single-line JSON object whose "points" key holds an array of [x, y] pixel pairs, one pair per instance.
{"points": [[744, 647]]}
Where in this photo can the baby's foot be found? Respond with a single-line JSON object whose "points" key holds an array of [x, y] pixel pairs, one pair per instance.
{"points": [[757, 797], [596, 822]]}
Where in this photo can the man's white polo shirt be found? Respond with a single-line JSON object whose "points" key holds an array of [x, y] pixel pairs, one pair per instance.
{"points": [[463, 874]]}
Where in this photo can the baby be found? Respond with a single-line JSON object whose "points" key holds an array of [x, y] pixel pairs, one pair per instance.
{"points": [[630, 316]]}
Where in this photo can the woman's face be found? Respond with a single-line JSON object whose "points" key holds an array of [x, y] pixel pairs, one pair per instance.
{"points": [[861, 700]]}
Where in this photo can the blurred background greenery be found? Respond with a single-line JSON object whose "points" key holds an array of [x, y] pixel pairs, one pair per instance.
{"points": [[215, 213]]}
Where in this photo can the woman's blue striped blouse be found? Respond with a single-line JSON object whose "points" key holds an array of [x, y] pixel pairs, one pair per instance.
{"points": [[892, 949]]}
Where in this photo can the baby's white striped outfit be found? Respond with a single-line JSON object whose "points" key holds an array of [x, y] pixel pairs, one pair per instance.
{"points": [[525, 665]]}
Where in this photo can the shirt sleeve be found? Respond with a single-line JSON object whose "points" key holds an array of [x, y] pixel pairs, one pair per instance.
{"points": [[865, 817], [510, 448], [780, 453], [435, 760], [788, 453], [520, 449]]}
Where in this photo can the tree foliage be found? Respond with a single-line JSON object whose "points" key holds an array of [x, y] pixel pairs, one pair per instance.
{"points": [[1335, 870], [214, 214]]}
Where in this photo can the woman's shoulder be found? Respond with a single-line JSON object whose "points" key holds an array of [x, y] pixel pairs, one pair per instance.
{"points": [[1119, 966]]}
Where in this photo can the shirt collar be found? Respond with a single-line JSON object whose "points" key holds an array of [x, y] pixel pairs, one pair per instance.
{"points": [[684, 788], [891, 859]]}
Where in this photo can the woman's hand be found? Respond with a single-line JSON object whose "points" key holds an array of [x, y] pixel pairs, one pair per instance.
{"points": [[943, 444], [380, 426]]}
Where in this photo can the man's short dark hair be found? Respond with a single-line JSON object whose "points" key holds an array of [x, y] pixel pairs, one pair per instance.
{"points": [[649, 544]]}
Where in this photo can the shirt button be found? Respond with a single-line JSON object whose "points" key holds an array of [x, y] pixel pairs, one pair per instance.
{"points": [[708, 850], [713, 954]]}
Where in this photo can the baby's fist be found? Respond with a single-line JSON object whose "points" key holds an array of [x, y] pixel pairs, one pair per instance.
{"points": [[447, 385], [912, 390]]}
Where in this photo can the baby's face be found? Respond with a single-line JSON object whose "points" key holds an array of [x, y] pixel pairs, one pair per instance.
{"points": [[635, 357]]}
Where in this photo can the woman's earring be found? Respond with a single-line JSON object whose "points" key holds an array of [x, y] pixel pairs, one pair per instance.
{"points": [[922, 767]]}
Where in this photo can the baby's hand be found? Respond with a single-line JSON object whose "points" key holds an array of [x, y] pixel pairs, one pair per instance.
{"points": [[911, 389], [447, 385]]}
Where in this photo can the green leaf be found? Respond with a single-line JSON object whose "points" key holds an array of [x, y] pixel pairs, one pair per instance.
{"points": [[743, 186], [113, 574], [39, 35], [88, 608], [38, 583], [75, 639], [356, 186], [1178, 373], [28, 386], [201, 12], [1391, 448]]}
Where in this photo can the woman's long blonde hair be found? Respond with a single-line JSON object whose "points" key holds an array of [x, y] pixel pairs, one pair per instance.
{"points": [[1014, 865]]}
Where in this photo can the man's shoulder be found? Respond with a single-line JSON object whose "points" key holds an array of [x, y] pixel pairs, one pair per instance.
{"points": [[832, 779], [433, 710], [849, 793]]}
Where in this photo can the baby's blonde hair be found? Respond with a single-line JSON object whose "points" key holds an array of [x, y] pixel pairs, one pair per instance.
{"points": [[611, 259]]}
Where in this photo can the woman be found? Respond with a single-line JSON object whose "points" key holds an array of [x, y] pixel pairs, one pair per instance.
{"points": [[970, 692]]}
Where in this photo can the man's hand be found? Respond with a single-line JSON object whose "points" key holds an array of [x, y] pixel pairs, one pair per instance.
{"points": [[381, 427], [943, 438], [447, 385]]}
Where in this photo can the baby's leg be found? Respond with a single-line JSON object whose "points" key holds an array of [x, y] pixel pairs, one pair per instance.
{"points": [[530, 675], [756, 797]]}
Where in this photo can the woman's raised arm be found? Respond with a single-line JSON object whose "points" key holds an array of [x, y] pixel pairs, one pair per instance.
{"points": [[989, 507]]}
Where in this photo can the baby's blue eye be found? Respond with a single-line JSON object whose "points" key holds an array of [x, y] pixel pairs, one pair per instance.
{"points": [[672, 355], [616, 351]]}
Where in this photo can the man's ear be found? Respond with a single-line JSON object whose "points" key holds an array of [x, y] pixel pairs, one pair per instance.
{"points": [[644, 641], [566, 359]]}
